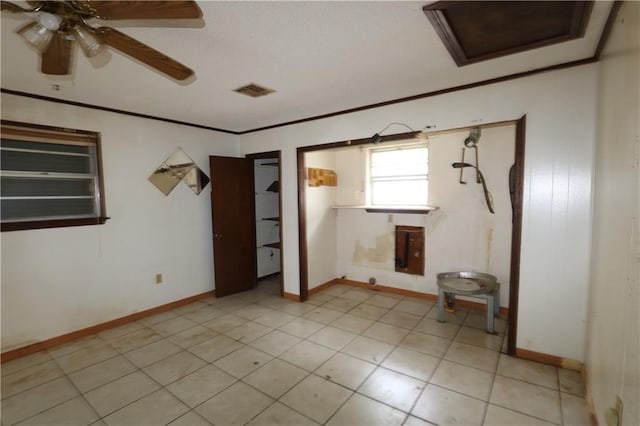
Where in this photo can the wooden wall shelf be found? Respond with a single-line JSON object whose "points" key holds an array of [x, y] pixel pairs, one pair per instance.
{"points": [[397, 210]]}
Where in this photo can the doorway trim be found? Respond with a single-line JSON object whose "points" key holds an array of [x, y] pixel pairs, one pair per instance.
{"points": [[516, 237], [516, 231], [277, 156]]}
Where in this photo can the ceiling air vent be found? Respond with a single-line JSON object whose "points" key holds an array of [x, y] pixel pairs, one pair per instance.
{"points": [[254, 90]]}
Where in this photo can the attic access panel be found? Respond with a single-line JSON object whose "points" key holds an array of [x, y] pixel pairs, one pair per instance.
{"points": [[475, 31]]}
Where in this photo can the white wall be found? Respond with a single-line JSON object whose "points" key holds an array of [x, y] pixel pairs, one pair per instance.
{"points": [[352, 163], [613, 363], [45, 293], [462, 235], [321, 222], [560, 109], [55, 281]]}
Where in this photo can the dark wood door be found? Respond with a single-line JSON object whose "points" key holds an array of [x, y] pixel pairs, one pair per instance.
{"points": [[233, 217]]}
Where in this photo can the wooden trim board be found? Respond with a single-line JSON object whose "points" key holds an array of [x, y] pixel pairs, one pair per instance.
{"points": [[516, 233], [425, 296], [302, 226], [554, 360], [78, 334], [323, 286], [291, 296], [392, 290]]}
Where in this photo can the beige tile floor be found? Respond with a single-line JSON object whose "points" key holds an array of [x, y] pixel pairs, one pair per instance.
{"points": [[348, 356]]}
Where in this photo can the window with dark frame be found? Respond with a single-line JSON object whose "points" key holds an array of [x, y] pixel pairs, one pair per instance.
{"points": [[398, 175], [49, 177]]}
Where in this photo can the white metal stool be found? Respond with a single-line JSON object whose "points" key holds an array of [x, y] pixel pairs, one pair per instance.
{"points": [[472, 284]]}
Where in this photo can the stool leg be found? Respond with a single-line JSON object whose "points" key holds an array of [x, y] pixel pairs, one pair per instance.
{"points": [[441, 298], [490, 312], [496, 305]]}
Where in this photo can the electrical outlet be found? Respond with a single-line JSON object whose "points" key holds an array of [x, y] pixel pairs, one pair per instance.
{"points": [[158, 278]]}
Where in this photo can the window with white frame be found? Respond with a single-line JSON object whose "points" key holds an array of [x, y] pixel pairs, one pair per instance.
{"points": [[398, 175], [49, 177]]}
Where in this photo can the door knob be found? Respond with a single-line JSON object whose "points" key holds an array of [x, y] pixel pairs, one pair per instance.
{"points": [[216, 235]]}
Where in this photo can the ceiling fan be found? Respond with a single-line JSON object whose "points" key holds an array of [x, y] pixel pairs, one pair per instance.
{"points": [[57, 24]]}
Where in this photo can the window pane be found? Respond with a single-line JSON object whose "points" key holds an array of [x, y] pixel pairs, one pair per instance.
{"points": [[399, 162], [33, 209], [399, 192], [48, 174], [37, 162], [399, 176], [40, 187], [45, 146], [398, 170]]}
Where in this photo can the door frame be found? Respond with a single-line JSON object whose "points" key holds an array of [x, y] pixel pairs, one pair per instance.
{"points": [[516, 229], [276, 155]]}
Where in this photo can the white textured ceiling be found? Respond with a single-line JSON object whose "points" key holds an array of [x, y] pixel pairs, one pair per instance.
{"points": [[320, 57]]}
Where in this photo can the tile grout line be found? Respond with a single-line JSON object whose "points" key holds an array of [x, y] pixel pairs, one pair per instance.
{"points": [[258, 300], [428, 382], [137, 369], [378, 366], [493, 382], [80, 394]]}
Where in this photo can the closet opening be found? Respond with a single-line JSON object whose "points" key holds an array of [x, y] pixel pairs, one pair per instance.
{"points": [[266, 173]]}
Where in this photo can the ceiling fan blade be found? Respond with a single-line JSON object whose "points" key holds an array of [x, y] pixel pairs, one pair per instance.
{"points": [[183, 9], [56, 59], [6, 6], [143, 53]]}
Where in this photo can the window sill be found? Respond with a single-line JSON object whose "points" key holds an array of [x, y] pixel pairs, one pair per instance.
{"points": [[41, 224], [392, 209]]}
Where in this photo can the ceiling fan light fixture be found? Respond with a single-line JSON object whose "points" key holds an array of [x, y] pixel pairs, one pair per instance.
{"points": [[89, 43], [49, 20], [37, 35], [57, 23]]}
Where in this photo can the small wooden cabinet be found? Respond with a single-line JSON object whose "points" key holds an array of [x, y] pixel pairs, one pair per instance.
{"points": [[410, 249]]}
